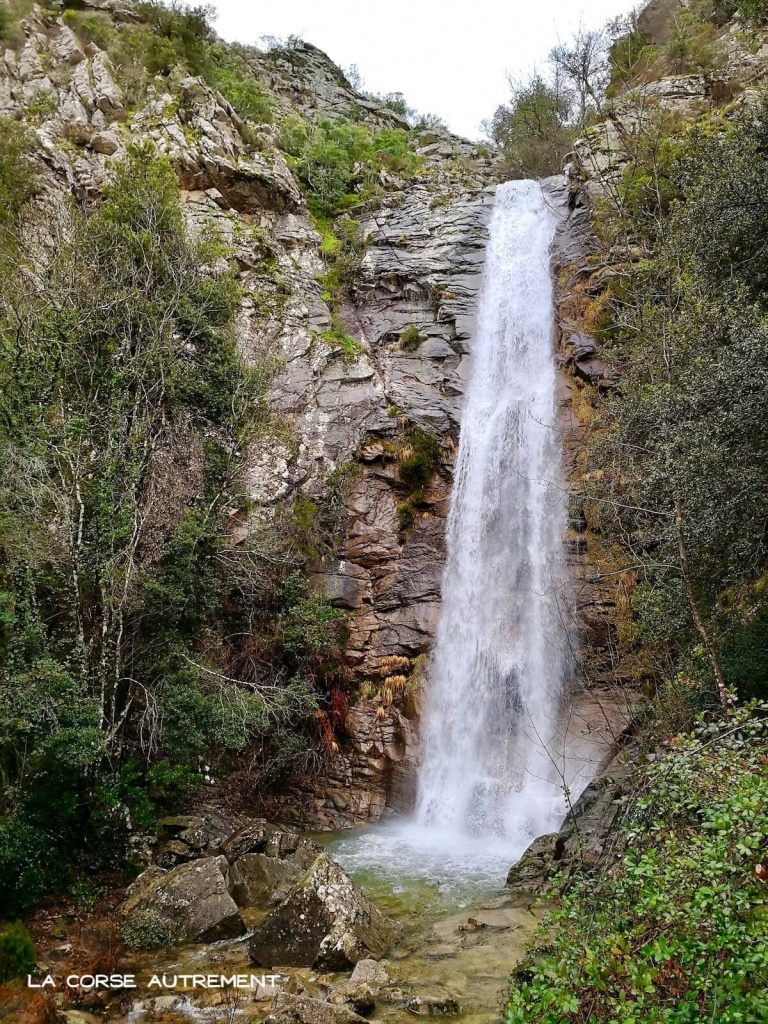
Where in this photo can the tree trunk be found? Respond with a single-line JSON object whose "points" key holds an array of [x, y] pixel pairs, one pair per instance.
{"points": [[698, 621]]}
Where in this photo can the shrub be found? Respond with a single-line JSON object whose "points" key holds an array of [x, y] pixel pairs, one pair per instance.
{"points": [[411, 339], [17, 952], [404, 515], [422, 457], [238, 84], [28, 866], [690, 45], [312, 635], [678, 930], [187, 28], [532, 130], [18, 178], [754, 13], [351, 348], [175, 35], [11, 13], [337, 161]]}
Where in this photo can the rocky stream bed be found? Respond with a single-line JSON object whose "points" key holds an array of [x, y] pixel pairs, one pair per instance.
{"points": [[312, 941]]}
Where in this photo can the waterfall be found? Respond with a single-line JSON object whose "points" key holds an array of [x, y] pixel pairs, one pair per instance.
{"points": [[495, 743], [490, 760]]}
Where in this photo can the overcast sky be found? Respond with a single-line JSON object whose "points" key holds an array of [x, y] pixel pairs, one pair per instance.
{"points": [[449, 57]]}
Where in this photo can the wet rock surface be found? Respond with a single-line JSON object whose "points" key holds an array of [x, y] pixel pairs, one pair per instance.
{"points": [[583, 842], [292, 1009], [315, 915]]}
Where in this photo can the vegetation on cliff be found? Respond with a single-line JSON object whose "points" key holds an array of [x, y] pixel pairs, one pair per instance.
{"points": [[127, 613], [145, 650], [677, 930]]}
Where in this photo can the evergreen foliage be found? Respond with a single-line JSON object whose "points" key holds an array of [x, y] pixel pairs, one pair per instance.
{"points": [[175, 37], [340, 161], [684, 449], [128, 623], [17, 952], [678, 930]]}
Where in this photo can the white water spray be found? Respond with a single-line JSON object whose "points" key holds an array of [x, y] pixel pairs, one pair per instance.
{"points": [[490, 763], [493, 765]]}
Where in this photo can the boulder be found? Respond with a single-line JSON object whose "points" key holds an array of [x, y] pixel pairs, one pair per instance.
{"points": [[190, 903], [258, 880], [537, 865], [258, 836], [583, 839], [107, 143], [369, 972], [361, 990], [325, 922], [290, 1009]]}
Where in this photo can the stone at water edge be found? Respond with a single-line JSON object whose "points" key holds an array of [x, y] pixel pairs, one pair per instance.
{"points": [[325, 922], [536, 866], [362, 988], [360, 998], [191, 903], [369, 972], [433, 1006]]}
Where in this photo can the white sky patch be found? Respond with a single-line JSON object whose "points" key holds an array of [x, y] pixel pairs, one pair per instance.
{"points": [[448, 57]]}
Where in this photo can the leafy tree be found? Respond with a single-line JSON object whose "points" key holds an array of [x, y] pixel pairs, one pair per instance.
{"points": [[532, 130], [125, 412], [684, 449]]}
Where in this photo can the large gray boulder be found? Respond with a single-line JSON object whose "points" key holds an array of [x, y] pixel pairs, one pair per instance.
{"points": [[325, 922], [191, 903]]}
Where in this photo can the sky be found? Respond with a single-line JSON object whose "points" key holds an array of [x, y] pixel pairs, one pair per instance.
{"points": [[448, 57]]}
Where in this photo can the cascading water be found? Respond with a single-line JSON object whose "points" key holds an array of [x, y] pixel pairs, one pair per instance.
{"points": [[496, 674], [493, 764]]}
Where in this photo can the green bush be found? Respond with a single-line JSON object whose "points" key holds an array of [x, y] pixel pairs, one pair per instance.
{"points": [[677, 931], [237, 83], [339, 161], [187, 28], [173, 36], [17, 953], [690, 47], [29, 866], [404, 515], [421, 460], [18, 179], [312, 635], [411, 339], [754, 13]]}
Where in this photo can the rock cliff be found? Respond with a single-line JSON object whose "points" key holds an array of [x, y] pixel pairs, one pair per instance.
{"points": [[341, 412], [337, 411]]}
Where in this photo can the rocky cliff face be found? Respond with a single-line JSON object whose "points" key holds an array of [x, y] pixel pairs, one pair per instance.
{"points": [[420, 274], [410, 312], [586, 265]]}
